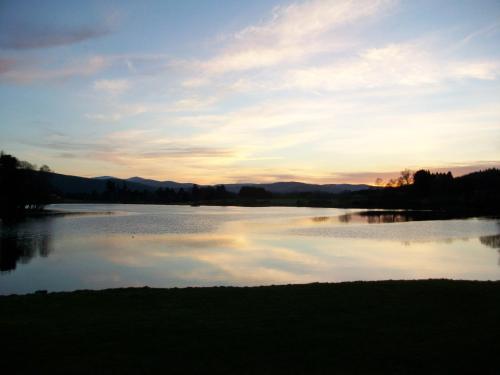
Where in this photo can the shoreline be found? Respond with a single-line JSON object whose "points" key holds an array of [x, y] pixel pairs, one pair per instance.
{"points": [[52, 213], [433, 214], [361, 283], [293, 203], [409, 214]]}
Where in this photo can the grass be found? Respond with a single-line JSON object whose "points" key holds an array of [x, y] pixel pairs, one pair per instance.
{"points": [[385, 327]]}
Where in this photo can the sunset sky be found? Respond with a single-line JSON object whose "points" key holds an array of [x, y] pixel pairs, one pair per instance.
{"points": [[255, 91]]}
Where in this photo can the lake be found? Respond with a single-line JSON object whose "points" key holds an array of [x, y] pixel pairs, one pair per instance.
{"points": [[96, 246]]}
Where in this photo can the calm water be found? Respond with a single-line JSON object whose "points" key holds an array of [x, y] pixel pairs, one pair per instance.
{"points": [[167, 246]]}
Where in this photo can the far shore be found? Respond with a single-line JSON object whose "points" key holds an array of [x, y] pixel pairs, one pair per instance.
{"points": [[459, 212], [379, 327], [47, 212]]}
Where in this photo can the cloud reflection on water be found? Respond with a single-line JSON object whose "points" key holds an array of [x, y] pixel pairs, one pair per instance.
{"points": [[242, 249]]}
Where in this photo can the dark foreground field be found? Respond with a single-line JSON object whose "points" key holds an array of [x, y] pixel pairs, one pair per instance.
{"points": [[389, 327]]}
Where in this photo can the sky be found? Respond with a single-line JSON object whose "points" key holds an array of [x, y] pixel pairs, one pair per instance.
{"points": [[319, 91]]}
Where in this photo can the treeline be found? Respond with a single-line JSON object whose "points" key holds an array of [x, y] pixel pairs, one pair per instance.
{"points": [[119, 192], [477, 192], [22, 186]]}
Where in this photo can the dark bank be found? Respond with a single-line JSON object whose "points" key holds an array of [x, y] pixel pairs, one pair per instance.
{"points": [[383, 327]]}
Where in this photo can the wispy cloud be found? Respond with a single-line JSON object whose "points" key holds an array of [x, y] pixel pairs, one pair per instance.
{"points": [[192, 152], [483, 31], [393, 65], [293, 32], [22, 36], [26, 72], [118, 113], [112, 86], [299, 47], [131, 144], [6, 65], [277, 113]]}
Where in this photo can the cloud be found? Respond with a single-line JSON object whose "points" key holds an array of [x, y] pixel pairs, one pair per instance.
{"points": [[64, 143], [193, 103], [146, 64], [483, 31], [112, 86], [294, 32], [26, 72], [6, 65], [121, 111], [314, 46], [195, 82], [42, 69], [125, 146], [404, 64], [277, 113], [180, 151], [20, 36]]}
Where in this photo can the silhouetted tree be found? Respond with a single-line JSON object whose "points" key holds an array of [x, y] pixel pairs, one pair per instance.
{"points": [[476, 192], [21, 187], [406, 178], [195, 193], [253, 192], [110, 193], [45, 168], [183, 196]]}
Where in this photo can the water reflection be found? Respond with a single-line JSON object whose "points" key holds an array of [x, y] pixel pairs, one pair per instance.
{"points": [[492, 241], [346, 218], [185, 246], [20, 247], [379, 217], [320, 219]]}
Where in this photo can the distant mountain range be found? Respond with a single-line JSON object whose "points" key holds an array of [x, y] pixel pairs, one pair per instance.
{"points": [[300, 187], [159, 184], [275, 187], [74, 185], [80, 185]]}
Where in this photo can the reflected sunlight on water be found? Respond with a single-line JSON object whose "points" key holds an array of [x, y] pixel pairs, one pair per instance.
{"points": [[165, 246]]}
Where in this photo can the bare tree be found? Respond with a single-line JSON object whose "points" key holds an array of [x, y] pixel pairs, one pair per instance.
{"points": [[406, 178]]}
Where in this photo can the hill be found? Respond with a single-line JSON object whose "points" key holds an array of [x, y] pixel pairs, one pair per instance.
{"points": [[66, 184], [275, 188], [161, 184], [300, 187]]}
